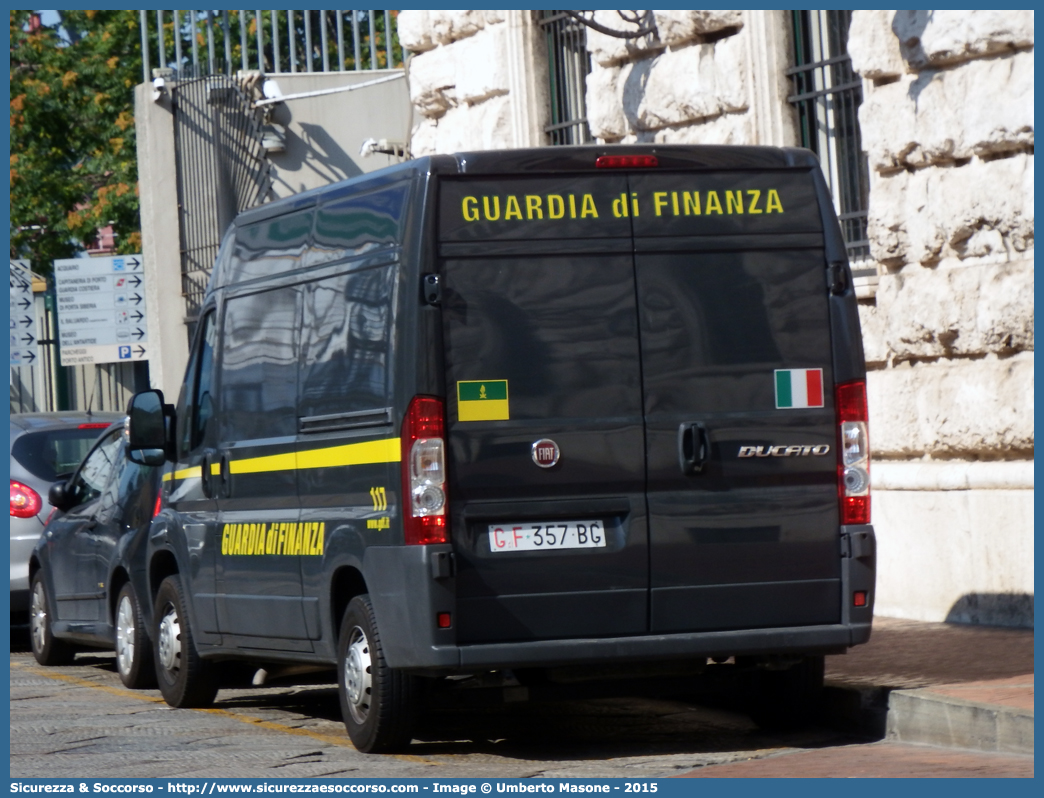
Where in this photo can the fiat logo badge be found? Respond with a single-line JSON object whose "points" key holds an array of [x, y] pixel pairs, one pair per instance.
{"points": [[545, 453]]}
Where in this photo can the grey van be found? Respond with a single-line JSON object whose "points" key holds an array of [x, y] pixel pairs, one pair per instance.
{"points": [[518, 411]]}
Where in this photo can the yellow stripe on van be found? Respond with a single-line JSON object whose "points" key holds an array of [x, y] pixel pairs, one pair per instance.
{"points": [[257, 465], [195, 472], [364, 453], [382, 451]]}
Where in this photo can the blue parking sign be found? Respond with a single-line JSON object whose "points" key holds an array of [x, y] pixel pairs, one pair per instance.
{"points": [[125, 353]]}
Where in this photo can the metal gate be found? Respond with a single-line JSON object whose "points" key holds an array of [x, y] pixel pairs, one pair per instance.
{"points": [[221, 170]]}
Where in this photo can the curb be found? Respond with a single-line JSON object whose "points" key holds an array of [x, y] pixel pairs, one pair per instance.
{"points": [[921, 716]]}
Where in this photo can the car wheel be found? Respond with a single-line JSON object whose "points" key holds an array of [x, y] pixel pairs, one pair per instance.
{"points": [[133, 649], [791, 698], [185, 680], [378, 703], [47, 649]]}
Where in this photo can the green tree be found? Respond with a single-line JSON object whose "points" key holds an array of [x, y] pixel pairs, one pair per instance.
{"points": [[73, 154]]}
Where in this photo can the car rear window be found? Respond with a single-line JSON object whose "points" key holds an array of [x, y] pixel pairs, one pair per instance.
{"points": [[48, 455]]}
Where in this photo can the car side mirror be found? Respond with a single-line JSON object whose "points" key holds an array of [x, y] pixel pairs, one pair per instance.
{"points": [[59, 497], [149, 435]]}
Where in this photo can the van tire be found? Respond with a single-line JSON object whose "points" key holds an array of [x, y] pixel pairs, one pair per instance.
{"points": [[185, 680], [791, 698], [47, 649], [134, 661], [378, 703]]}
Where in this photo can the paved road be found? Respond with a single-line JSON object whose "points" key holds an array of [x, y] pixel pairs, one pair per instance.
{"points": [[79, 721]]}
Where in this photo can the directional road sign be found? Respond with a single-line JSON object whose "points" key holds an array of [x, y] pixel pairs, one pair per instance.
{"points": [[24, 327], [101, 310]]}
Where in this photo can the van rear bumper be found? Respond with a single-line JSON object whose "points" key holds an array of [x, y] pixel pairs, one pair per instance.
{"points": [[798, 640]]}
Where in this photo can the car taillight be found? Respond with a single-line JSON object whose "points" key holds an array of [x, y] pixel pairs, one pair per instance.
{"points": [[424, 471], [853, 467], [95, 425], [159, 504], [25, 502]]}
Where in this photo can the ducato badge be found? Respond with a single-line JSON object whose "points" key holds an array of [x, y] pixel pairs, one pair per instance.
{"points": [[545, 453]]}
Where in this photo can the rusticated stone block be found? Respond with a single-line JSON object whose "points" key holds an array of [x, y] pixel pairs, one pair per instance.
{"points": [[680, 27], [483, 126], [873, 46], [981, 209], [604, 100], [433, 81], [414, 30], [981, 108], [611, 51], [949, 312], [975, 408], [694, 83], [937, 38]]}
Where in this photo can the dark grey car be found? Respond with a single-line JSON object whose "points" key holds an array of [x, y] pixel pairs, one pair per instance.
{"points": [[87, 570], [44, 448]]}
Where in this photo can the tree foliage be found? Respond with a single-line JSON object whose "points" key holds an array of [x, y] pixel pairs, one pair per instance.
{"points": [[73, 153]]}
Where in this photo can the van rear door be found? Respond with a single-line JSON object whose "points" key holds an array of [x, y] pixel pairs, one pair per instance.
{"points": [[541, 345], [736, 355]]}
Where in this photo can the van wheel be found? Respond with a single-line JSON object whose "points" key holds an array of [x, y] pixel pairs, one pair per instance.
{"points": [[133, 648], [790, 698], [378, 703], [47, 649], [184, 679]]}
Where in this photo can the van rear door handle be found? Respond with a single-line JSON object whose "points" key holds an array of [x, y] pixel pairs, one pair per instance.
{"points": [[226, 476], [693, 447]]}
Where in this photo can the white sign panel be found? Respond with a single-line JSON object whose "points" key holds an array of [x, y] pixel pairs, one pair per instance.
{"points": [[24, 327], [101, 310]]}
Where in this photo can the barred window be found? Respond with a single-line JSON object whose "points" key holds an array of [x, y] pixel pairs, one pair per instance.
{"points": [[827, 95], [568, 64]]}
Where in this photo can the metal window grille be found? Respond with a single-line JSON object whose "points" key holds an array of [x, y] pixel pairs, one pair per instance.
{"points": [[198, 43], [827, 95], [569, 64]]}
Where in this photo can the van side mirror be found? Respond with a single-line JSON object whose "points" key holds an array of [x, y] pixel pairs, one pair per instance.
{"points": [[58, 496], [150, 438]]}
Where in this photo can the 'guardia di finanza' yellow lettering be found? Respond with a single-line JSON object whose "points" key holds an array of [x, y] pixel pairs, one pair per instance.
{"points": [[690, 203], [558, 206], [278, 538], [752, 201]]}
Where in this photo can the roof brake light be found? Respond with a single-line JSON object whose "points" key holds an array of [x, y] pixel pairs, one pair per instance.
{"points": [[626, 161]]}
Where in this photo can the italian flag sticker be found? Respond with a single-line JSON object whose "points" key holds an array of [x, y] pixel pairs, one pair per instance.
{"points": [[799, 388]]}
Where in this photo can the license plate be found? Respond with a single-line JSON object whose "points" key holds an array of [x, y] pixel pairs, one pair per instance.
{"points": [[546, 536]]}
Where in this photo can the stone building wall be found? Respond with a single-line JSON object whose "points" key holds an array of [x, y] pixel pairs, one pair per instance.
{"points": [[947, 123]]}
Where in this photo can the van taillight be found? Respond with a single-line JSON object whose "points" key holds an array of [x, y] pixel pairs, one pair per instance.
{"points": [[853, 467], [424, 471], [159, 503]]}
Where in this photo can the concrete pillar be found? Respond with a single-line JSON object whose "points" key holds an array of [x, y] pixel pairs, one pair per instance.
{"points": [[161, 241], [769, 54], [527, 79]]}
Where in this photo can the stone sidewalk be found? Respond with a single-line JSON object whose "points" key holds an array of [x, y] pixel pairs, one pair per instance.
{"points": [[961, 686], [951, 701]]}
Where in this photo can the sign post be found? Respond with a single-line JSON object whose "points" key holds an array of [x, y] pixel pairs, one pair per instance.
{"points": [[101, 310], [25, 327]]}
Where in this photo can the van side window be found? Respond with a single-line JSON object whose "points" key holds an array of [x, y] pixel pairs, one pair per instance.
{"points": [[344, 228], [346, 344], [259, 365], [271, 246], [200, 407]]}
